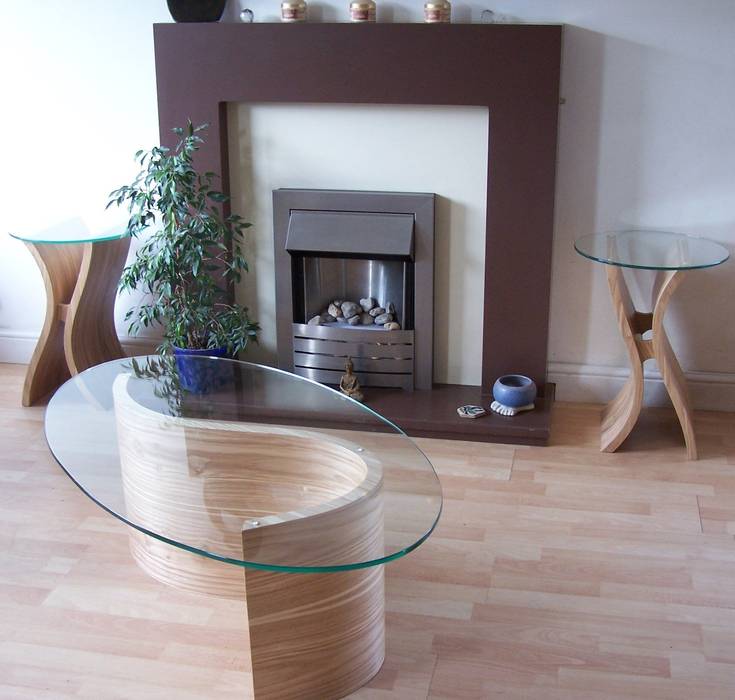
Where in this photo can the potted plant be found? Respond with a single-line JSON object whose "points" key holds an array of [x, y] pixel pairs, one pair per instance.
{"points": [[190, 258], [169, 384]]}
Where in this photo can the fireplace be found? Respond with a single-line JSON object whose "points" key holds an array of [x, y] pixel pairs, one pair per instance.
{"points": [[354, 275], [513, 70]]}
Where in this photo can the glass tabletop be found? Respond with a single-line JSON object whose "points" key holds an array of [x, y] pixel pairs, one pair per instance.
{"points": [[651, 250], [77, 231], [243, 463]]}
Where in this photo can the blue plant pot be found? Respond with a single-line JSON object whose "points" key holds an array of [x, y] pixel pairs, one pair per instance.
{"points": [[514, 390], [198, 376]]}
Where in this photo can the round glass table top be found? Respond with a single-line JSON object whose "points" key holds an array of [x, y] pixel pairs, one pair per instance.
{"points": [[651, 250], [80, 236], [243, 463], [104, 226]]}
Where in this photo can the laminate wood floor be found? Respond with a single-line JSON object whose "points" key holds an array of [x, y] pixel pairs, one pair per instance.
{"points": [[555, 572]]}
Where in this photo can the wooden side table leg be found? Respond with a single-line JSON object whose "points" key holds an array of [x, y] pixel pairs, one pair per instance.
{"points": [[621, 414], [90, 337], [59, 265], [669, 366]]}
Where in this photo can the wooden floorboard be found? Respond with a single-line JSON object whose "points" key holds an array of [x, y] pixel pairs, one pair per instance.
{"points": [[555, 572]]}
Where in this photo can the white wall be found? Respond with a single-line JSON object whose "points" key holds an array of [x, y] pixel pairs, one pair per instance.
{"points": [[647, 137], [79, 99]]}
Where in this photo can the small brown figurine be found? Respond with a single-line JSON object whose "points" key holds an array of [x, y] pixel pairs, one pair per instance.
{"points": [[348, 384]]}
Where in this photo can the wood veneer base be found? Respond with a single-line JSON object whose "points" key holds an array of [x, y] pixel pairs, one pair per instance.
{"points": [[264, 493], [314, 636], [79, 328], [621, 414]]}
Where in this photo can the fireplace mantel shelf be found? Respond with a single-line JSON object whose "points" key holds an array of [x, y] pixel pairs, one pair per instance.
{"points": [[512, 69], [435, 26]]}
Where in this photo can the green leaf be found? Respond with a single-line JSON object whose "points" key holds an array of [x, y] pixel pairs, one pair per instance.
{"points": [[186, 250]]}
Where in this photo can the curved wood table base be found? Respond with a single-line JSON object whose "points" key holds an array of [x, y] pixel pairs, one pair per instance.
{"points": [[621, 414], [312, 636], [79, 330], [264, 493]]}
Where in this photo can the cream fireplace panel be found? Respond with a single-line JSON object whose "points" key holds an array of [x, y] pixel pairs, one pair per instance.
{"points": [[372, 147]]}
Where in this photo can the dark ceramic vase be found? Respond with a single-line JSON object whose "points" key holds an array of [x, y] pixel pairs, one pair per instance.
{"points": [[196, 374], [196, 10]]}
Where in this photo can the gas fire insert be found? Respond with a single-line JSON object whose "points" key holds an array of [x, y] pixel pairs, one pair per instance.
{"points": [[355, 278]]}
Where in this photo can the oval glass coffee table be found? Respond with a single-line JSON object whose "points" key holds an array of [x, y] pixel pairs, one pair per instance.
{"points": [[257, 484], [80, 272], [671, 256]]}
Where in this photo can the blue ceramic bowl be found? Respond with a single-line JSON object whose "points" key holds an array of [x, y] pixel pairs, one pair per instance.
{"points": [[514, 390]]}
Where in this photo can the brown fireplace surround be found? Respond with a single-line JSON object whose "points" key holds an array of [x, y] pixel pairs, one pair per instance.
{"points": [[513, 70]]}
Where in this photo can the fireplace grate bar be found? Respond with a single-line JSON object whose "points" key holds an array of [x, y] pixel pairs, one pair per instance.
{"points": [[346, 355], [360, 363], [359, 372], [339, 340], [377, 379]]}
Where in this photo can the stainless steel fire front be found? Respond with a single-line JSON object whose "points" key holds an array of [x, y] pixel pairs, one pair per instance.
{"points": [[380, 357]]}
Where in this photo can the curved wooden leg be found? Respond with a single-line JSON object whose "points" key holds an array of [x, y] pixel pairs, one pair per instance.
{"points": [[671, 371], [59, 265], [290, 497], [621, 414], [317, 636], [314, 636], [90, 337]]}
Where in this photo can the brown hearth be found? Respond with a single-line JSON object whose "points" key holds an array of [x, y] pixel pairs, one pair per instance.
{"points": [[511, 69]]}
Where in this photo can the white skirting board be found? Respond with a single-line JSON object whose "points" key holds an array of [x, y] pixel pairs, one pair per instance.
{"points": [[17, 348], [710, 391]]}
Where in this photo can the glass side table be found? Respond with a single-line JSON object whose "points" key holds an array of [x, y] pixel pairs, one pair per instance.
{"points": [[80, 274], [262, 486], [671, 255]]}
